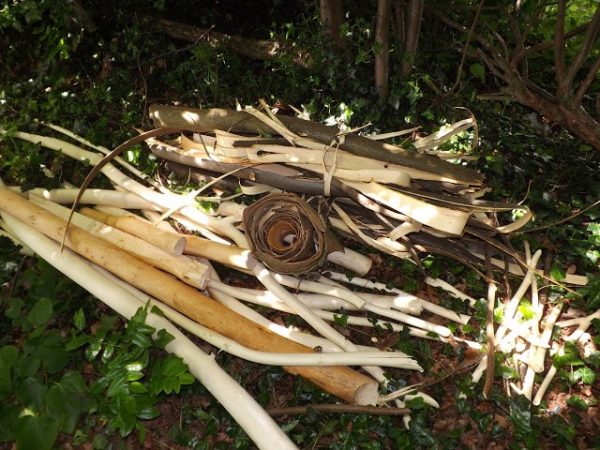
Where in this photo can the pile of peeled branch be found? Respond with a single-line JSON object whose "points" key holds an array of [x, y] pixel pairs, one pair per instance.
{"points": [[310, 190]]}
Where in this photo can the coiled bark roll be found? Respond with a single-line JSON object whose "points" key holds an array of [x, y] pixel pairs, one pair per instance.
{"points": [[286, 234]]}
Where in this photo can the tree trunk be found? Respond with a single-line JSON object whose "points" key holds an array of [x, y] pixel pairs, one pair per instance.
{"points": [[382, 52], [332, 16], [413, 30]]}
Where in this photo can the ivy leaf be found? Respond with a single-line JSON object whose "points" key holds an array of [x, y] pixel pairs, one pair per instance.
{"points": [[520, 416], [526, 310], [577, 401], [585, 374], [8, 424], [569, 358], [41, 312], [67, 400], [79, 319], [591, 293], [31, 393], [36, 432]]}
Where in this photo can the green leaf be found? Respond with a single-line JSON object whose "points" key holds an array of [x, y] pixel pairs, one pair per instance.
{"points": [[41, 312], [478, 71], [118, 384], [557, 272], [14, 310], [9, 355], [585, 374], [79, 319], [8, 358], [148, 413], [569, 358], [67, 400], [137, 388], [6, 384], [27, 366], [416, 403], [340, 319], [526, 310], [77, 342], [520, 415], [577, 401], [31, 392], [591, 293], [10, 416], [36, 432], [163, 338]]}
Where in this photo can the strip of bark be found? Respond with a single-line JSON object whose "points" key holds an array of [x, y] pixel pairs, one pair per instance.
{"points": [[198, 120]]}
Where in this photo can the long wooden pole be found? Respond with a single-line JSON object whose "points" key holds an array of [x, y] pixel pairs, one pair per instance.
{"points": [[343, 382]]}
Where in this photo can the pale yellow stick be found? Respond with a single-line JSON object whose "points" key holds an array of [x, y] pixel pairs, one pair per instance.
{"points": [[343, 382], [170, 242]]}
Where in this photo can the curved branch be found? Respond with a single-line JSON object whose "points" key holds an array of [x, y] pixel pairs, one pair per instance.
{"points": [[464, 55], [586, 83], [546, 45], [519, 46]]}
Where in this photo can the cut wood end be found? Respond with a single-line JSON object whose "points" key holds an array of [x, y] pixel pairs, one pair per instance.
{"points": [[367, 394]]}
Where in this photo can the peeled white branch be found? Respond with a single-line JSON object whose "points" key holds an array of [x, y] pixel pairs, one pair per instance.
{"points": [[438, 282], [100, 148], [261, 428], [186, 269], [356, 387], [360, 303], [232, 303], [388, 359], [171, 243], [537, 362], [325, 330], [268, 299], [513, 304], [106, 197], [403, 297], [166, 202]]}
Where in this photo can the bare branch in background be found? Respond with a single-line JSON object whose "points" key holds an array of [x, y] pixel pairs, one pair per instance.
{"points": [[464, 55], [564, 107]]}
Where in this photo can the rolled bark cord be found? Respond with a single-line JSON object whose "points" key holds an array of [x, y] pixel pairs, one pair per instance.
{"points": [[287, 235]]}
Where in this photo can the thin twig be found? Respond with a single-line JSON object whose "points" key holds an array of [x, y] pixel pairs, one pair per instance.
{"points": [[491, 345], [561, 221], [586, 83], [464, 54], [340, 409]]}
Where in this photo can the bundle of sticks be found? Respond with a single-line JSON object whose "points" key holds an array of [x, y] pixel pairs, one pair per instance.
{"points": [[314, 184]]}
